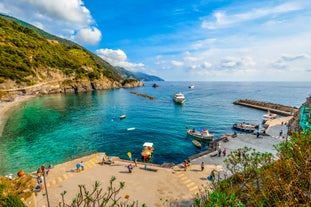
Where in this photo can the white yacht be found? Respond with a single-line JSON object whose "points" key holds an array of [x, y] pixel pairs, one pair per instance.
{"points": [[179, 98]]}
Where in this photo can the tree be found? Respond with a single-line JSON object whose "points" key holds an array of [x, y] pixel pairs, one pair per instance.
{"points": [[97, 197]]}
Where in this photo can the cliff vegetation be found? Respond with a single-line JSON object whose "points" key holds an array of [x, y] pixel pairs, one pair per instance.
{"points": [[32, 57]]}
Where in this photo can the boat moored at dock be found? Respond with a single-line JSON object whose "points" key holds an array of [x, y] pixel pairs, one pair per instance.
{"points": [[197, 143], [147, 151], [200, 134], [268, 116], [245, 127]]}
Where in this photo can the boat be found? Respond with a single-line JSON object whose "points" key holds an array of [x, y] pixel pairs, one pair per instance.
{"points": [[155, 85], [179, 98], [197, 143], [191, 86], [245, 127], [268, 116], [200, 134], [147, 151], [123, 116]]}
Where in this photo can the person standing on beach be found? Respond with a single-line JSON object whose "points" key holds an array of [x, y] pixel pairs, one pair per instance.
{"points": [[224, 152], [185, 165], [82, 165], [42, 169], [135, 162], [202, 166], [219, 152]]}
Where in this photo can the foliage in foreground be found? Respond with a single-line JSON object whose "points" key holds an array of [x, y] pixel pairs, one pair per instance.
{"points": [[97, 197], [259, 180], [11, 191]]}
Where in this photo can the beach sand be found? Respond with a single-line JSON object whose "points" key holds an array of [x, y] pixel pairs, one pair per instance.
{"points": [[6, 107], [160, 187]]}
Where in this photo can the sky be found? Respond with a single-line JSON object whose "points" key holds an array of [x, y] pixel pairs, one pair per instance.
{"points": [[184, 40]]}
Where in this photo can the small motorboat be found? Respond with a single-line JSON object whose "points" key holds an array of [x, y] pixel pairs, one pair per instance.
{"points": [[268, 116], [191, 86], [147, 151], [123, 116], [179, 98], [197, 143], [245, 127], [200, 133]]}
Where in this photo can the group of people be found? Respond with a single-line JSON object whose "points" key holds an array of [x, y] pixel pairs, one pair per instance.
{"points": [[80, 166], [186, 164], [41, 173], [224, 152]]}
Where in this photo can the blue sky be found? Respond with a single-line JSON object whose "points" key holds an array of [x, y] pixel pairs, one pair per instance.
{"points": [[197, 40]]}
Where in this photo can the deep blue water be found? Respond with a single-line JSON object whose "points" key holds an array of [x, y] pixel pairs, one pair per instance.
{"points": [[57, 128]]}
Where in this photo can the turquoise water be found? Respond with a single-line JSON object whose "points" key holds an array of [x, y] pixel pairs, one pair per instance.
{"points": [[58, 128]]}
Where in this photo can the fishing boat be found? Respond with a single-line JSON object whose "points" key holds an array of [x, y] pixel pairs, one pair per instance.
{"points": [[245, 127], [179, 98], [147, 151], [196, 143], [200, 134], [268, 116], [122, 116]]}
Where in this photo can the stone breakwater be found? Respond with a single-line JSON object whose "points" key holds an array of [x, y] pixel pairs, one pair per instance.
{"points": [[265, 106]]}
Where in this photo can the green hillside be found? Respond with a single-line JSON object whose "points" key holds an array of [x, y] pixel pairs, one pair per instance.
{"points": [[26, 53]]}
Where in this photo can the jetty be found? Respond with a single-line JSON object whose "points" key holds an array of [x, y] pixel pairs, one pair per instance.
{"points": [[143, 95], [267, 106]]}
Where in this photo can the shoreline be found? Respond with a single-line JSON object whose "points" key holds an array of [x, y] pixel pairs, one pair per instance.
{"points": [[160, 184], [6, 107]]}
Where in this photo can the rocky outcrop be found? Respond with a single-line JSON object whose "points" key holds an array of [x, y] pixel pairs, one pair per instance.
{"points": [[67, 85]]}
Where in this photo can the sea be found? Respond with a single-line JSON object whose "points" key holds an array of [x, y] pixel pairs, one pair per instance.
{"points": [[53, 129]]}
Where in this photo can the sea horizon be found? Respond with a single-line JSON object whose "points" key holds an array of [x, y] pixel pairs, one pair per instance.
{"points": [[60, 127]]}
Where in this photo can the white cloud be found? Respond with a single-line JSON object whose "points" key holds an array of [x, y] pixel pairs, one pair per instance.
{"points": [[294, 57], [89, 36], [69, 19], [118, 58], [221, 19], [69, 10], [177, 63], [285, 60], [229, 62], [206, 65]]}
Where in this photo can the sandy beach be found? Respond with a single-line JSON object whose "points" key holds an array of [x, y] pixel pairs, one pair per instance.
{"points": [[6, 107], [157, 187]]}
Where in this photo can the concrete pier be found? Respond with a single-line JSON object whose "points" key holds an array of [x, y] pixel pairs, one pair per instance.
{"points": [[265, 106]]}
